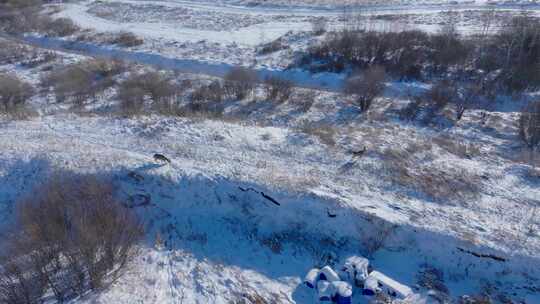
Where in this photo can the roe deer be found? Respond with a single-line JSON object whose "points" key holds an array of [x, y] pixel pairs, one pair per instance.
{"points": [[359, 153], [161, 158]]}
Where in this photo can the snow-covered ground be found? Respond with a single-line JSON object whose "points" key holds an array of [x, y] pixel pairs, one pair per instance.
{"points": [[229, 32], [223, 242]]}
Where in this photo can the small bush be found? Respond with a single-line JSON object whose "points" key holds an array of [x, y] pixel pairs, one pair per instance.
{"points": [[12, 53], [412, 110], [434, 101], [14, 93], [440, 95], [18, 4], [513, 54], [529, 125], [127, 39], [278, 89], [60, 27], [72, 235], [466, 98], [432, 278], [303, 99], [39, 59], [214, 92], [240, 83], [17, 17], [366, 86], [318, 26], [131, 99], [154, 85], [82, 81]]}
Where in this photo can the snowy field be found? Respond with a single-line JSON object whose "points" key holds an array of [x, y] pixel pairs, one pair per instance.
{"points": [[232, 32]]}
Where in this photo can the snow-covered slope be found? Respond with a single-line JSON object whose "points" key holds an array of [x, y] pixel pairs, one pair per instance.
{"points": [[221, 240]]}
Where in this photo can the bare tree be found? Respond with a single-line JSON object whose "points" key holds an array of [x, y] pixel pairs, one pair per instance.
{"points": [[13, 93], [240, 82], [487, 19], [449, 26], [131, 99], [82, 82], [366, 86], [319, 25], [529, 125], [152, 85], [71, 234], [278, 89], [126, 39], [465, 99]]}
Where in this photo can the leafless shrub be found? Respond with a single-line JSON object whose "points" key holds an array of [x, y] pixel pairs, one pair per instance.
{"points": [[432, 278], [438, 97], [465, 98], [14, 93], [431, 103], [12, 52], [212, 92], [366, 86], [274, 243], [72, 234], [18, 4], [154, 85], [304, 99], [70, 82], [205, 110], [477, 299], [412, 110], [516, 49], [131, 99], [126, 39], [18, 283], [326, 133], [381, 298], [278, 89], [240, 82], [38, 59], [319, 25], [82, 82], [60, 27], [254, 298], [16, 20], [529, 125]]}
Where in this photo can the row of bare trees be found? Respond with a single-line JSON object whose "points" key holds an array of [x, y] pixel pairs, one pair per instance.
{"points": [[72, 235], [508, 59], [161, 93]]}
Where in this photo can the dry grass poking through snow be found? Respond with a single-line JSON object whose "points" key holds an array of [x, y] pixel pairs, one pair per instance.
{"points": [[416, 167]]}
